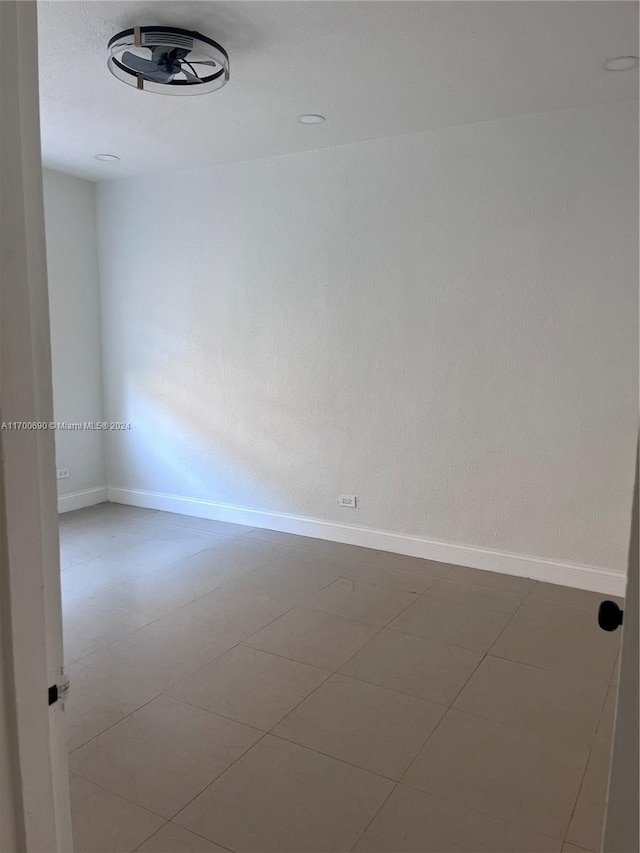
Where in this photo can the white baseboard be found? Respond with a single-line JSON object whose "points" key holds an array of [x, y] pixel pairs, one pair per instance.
{"points": [[79, 500], [567, 574]]}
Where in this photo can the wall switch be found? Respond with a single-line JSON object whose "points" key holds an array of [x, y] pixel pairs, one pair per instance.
{"points": [[63, 473], [348, 500]]}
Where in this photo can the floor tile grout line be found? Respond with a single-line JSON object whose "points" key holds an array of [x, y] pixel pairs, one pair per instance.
{"points": [[204, 788], [215, 779], [586, 766], [329, 675], [120, 797], [431, 640], [162, 692], [529, 595], [333, 757], [428, 593], [373, 817], [474, 810], [299, 607], [110, 726], [219, 776], [242, 722], [270, 732], [509, 621], [306, 605], [161, 616], [395, 783], [244, 643], [204, 838], [155, 832], [558, 672], [164, 616]]}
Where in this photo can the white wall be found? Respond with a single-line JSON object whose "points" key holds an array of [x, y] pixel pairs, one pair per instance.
{"points": [[74, 303], [443, 323]]}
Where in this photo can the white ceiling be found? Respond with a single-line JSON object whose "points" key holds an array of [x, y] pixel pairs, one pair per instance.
{"points": [[372, 68]]}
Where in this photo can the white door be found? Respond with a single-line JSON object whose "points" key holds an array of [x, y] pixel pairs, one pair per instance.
{"points": [[34, 815], [621, 834]]}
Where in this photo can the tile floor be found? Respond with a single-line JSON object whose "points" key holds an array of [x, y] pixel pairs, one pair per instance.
{"points": [[251, 691]]}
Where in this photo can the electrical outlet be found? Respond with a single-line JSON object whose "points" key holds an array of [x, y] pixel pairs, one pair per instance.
{"points": [[63, 473], [348, 500]]}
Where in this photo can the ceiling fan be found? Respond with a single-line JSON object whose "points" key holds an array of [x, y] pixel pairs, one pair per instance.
{"points": [[168, 60]]}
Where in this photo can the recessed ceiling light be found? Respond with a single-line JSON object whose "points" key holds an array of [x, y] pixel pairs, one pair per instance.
{"points": [[311, 118], [107, 158], [621, 63]]}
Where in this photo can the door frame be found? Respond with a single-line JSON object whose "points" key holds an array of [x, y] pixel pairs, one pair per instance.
{"points": [[622, 831], [31, 617]]}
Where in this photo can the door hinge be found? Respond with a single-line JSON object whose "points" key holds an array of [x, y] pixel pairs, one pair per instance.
{"points": [[59, 691]]}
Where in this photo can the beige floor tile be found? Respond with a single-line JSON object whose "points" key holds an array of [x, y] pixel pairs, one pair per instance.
{"points": [[413, 665], [615, 676], [95, 543], [250, 686], [277, 537], [374, 728], [157, 603], [388, 560], [99, 519], [99, 697], [163, 755], [342, 551], [174, 839], [580, 651], [449, 622], [323, 546], [308, 636], [91, 513], [292, 577], [587, 822], [482, 598], [155, 529], [105, 823], [95, 622], [84, 580], [604, 734], [414, 822], [490, 580], [223, 615], [110, 510], [181, 540], [534, 700], [363, 602], [500, 771], [390, 578], [203, 525], [120, 678], [152, 553], [243, 555], [556, 614], [283, 798], [570, 596], [149, 593]]}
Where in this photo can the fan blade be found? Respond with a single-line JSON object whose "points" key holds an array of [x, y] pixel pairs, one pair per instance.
{"points": [[137, 63], [202, 62], [192, 78], [146, 67]]}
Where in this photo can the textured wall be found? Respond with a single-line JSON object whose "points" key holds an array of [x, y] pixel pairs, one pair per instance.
{"points": [[74, 305], [443, 323]]}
